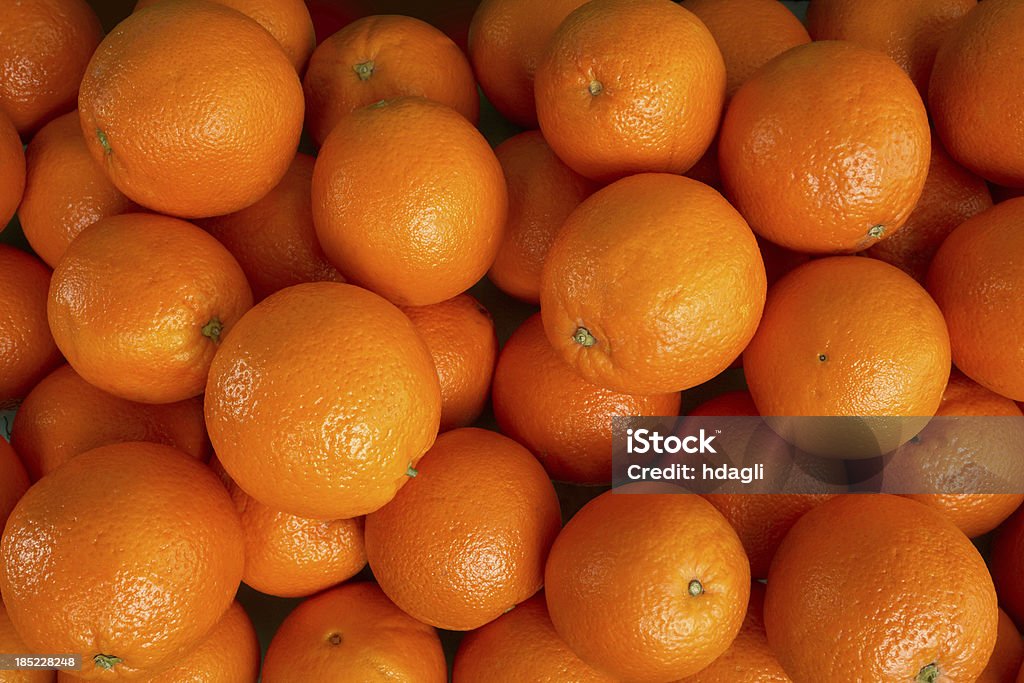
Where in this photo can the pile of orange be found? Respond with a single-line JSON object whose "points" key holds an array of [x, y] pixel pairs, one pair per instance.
{"points": [[350, 323]]}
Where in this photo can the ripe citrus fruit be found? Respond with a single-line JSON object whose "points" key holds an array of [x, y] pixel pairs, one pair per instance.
{"points": [[467, 538], [563, 419], [1008, 655], [542, 192], [290, 556], [627, 86], [381, 58], [11, 642], [274, 240], [977, 278], [140, 303], [848, 591], [353, 633], [12, 169], [287, 20], [507, 39], [975, 113], [826, 148], [321, 399], [1007, 565], [460, 336], [910, 32], [951, 195], [646, 586], [134, 575], [13, 480], [520, 646], [409, 201], [185, 92], [654, 284], [29, 351], [64, 416], [66, 191], [45, 46]]}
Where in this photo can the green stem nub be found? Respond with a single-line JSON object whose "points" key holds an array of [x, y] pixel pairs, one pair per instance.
{"points": [[876, 232], [583, 337], [106, 662], [928, 674], [364, 70], [213, 329], [104, 142], [595, 87], [411, 471], [695, 588]]}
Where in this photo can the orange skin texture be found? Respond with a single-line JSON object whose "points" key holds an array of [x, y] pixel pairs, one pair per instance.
{"points": [[66, 191], [749, 658], [234, 112], [287, 20], [823, 145], [13, 483], [951, 195], [410, 58], [27, 349], [848, 591], [659, 81], [507, 39], [542, 192], [975, 514], [322, 420], [461, 338], [353, 633], [44, 48], [290, 556], [102, 557], [625, 607], [1007, 563], [565, 421], [979, 118], [12, 170], [521, 646], [909, 32], [879, 360], [130, 299], [274, 240], [1008, 655], [64, 416], [665, 276], [467, 538], [977, 278], [409, 201], [10, 641], [749, 33]]}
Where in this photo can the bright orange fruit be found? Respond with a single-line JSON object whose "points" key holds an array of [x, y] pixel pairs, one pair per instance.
{"points": [[12, 170], [1008, 655], [13, 480]]}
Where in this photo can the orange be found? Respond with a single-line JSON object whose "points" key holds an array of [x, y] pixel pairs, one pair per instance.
{"points": [[287, 20], [1007, 564], [13, 480], [142, 551], [66, 191], [409, 201], [140, 303], [274, 240], [662, 601], [749, 658], [564, 420], [64, 416], [951, 195], [848, 591], [461, 338], [851, 336], [627, 86], [353, 633], [29, 351], [11, 642], [542, 192], [12, 170], [191, 108], [381, 58], [654, 284], [290, 556], [1008, 655], [910, 32], [321, 399], [507, 39], [520, 646], [826, 148], [45, 46], [466, 539], [976, 112], [749, 33], [977, 278]]}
